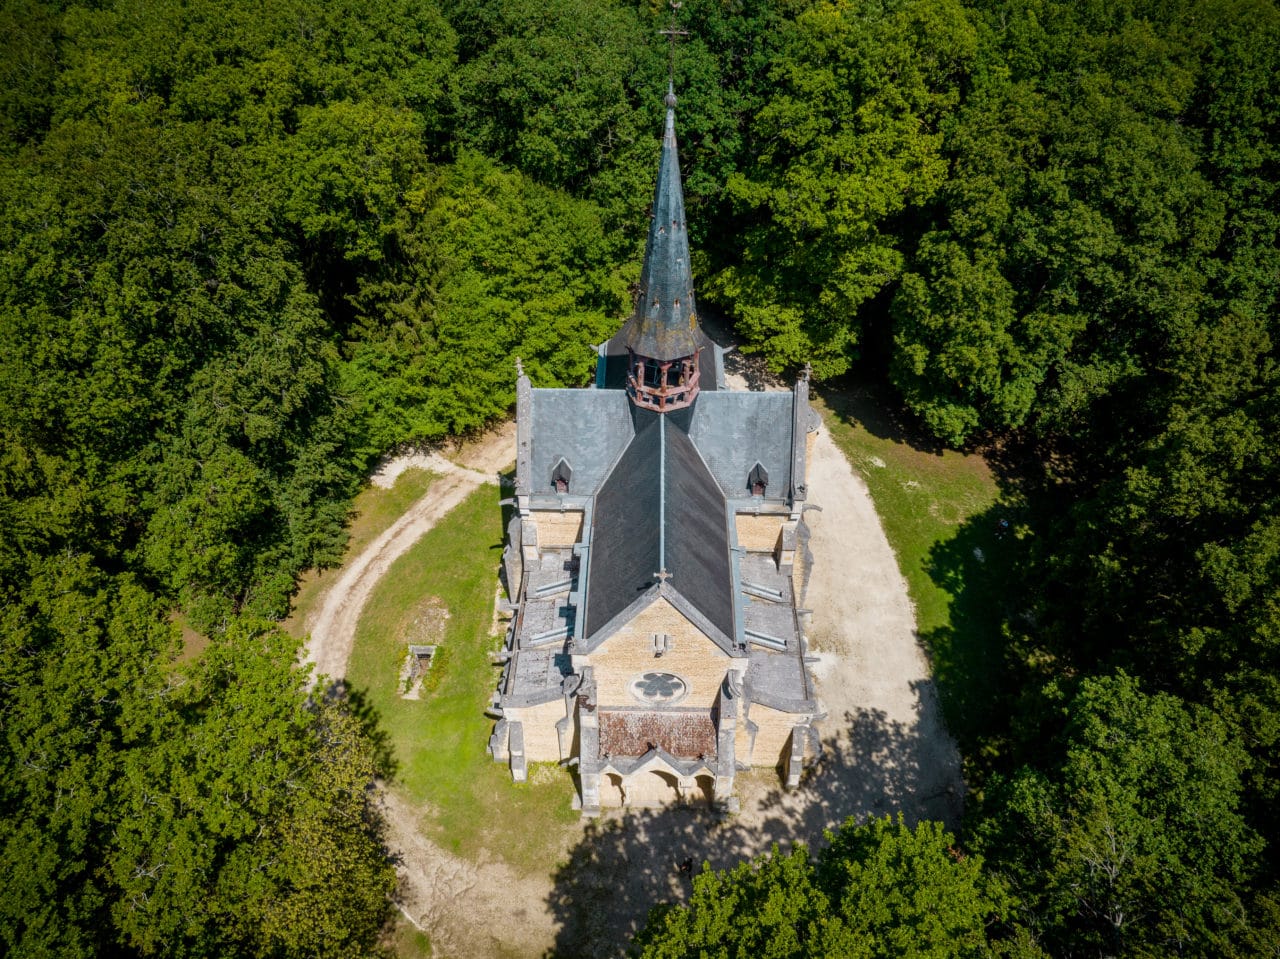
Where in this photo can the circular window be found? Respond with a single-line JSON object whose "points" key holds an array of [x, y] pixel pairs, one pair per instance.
{"points": [[659, 688]]}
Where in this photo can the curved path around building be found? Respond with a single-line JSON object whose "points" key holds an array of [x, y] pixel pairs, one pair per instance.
{"points": [[332, 628], [886, 746]]}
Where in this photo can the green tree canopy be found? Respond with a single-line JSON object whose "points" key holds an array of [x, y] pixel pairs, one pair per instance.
{"points": [[1136, 844], [878, 889]]}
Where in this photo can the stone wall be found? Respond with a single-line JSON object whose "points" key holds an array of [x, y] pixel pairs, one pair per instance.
{"points": [[541, 742], [759, 533], [772, 736], [650, 788], [557, 529], [629, 652]]}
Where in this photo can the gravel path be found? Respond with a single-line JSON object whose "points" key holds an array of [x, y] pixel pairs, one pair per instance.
{"points": [[887, 747]]}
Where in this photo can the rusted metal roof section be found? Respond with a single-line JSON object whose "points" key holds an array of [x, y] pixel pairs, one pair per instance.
{"points": [[685, 733], [664, 325]]}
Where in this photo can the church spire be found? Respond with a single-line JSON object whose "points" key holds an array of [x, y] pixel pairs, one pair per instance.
{"points": [[664, 325], [662, 335]]}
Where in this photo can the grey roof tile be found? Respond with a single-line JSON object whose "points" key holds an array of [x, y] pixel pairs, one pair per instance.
{"points": [[536, 676], [660, 509], [697, 535], [778, 680], [734, 430], [586, 428], [624, 549]]}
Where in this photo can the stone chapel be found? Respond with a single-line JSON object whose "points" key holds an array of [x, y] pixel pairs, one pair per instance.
{"points": [[656, 557]]}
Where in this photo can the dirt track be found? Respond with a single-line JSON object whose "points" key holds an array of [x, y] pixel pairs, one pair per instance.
{"points": [[332, 627], [887, 749]]}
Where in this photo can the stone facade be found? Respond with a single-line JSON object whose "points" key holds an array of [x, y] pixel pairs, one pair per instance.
{"points": [[760, 533], [558, 529], [692, 657]]}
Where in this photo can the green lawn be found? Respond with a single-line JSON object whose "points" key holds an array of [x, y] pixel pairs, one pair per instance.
{"points": [[940, 510], [408, 942], [439, 741]]}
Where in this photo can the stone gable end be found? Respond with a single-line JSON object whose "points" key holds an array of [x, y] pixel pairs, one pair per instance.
{"points": [[628, 653]]}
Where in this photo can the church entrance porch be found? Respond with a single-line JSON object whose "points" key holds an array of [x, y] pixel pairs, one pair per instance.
{"points": [[654, 788], [651, 788]]}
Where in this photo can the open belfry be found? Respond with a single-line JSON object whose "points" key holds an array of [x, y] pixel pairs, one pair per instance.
{"points": [[657, 559]]}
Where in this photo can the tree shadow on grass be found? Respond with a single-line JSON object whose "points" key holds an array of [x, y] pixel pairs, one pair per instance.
{"points": [[990, 677], [874, 407], [629, 861]]}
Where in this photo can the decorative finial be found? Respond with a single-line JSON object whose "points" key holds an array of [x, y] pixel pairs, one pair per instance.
{"points": [[671, 33], [806, 372], [662, 575], [519, 368]]}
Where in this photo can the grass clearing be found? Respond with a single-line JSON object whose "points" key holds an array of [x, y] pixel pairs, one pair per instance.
{"points": [[439, 740], [407, 941], [372, 513]]}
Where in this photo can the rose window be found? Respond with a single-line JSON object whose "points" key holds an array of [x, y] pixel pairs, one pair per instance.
{"points": [[659, 688]]}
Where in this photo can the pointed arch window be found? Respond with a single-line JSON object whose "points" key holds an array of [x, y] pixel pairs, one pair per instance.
{"points": [[562, 476], [758, 480]]}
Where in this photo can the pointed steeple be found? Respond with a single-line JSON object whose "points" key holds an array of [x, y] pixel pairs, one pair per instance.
{"points": [[664, 325]]}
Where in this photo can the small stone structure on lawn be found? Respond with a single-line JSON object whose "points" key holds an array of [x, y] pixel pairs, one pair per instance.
{"points": [[416, 664]]}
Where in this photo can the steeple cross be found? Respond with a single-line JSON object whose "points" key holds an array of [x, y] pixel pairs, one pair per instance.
{"points": [[671, 33], [662, 575]]}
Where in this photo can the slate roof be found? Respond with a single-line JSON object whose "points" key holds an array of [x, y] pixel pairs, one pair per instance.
{"points": [[660, 509], [734, 430], [623, 554], [778, 680], [587, 428], [536, 676], [697, 533], [664, 325]]}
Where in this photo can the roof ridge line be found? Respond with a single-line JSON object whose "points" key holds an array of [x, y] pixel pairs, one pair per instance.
{"points": [[662, 495]]}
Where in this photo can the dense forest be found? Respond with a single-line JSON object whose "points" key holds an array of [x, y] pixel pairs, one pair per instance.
{"points": [[245, 248]]}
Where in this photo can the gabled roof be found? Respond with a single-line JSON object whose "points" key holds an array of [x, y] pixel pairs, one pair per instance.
{"points": [[697, 532], [623, 555], [660, 511], [664, 325]]}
